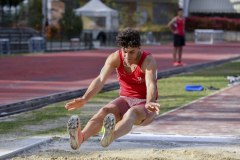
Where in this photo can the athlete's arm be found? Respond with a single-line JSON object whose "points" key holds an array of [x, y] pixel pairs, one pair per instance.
{"points": [[98, 82], [96, 85], [170, 25], [151, 84]]}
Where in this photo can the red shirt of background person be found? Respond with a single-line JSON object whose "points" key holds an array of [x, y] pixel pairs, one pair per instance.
{"points": [[180, 23], [177, 27]]}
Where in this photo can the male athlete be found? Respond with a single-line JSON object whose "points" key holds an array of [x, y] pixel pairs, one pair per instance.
{"points": [[177, 26], [136, 105]]}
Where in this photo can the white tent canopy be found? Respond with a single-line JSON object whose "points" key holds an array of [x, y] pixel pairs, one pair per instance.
{"points": [[95, 8]]}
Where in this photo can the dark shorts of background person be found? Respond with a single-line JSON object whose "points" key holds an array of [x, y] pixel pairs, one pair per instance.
{"points": [[178, 40]]}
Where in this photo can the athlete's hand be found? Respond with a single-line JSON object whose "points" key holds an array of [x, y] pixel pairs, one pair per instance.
{"points": [[153, 107], [75, 104], [175, 31]]}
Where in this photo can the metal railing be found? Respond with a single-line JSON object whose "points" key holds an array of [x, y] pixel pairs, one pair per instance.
{"points": [[146, 38], [68, 44], [18, 41], [25, 42]]}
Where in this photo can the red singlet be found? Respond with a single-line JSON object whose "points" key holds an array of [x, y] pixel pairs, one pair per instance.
{"points": [[180, 26], [132, 84]]}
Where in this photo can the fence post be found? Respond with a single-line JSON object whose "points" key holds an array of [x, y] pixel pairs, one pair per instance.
{"points": [[88, 40], [36, 44], [74, 43], [4, 46]]}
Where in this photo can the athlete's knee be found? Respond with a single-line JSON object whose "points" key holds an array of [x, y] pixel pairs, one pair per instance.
{"points": [[140, 115], [132, 115], [99, 116], [149, 119], [104, 110]]}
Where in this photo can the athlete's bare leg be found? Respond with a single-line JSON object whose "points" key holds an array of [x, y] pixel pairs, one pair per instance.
{"points": [[151, 116], [179, 54], [175, 51], [134, 116], [94, 125]]}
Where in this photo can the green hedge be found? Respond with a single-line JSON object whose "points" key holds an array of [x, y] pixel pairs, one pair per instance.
{"points": [[222, 23]]}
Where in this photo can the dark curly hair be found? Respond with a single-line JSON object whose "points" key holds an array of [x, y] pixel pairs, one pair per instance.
{"points": [[128, 38]]}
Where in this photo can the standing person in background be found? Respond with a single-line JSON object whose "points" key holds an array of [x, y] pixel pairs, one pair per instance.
{"points": [[177, 26], [136, 105]]}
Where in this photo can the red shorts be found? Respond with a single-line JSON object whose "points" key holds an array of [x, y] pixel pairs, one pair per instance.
{"points": [[125, 103]]}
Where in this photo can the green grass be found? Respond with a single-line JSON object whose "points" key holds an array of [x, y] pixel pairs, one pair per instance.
{"points": [[172, 92], [171, 95], [35, 117]]}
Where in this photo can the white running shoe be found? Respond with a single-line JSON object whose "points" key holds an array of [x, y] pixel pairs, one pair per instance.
{"points": [[74, 130], [109, 125]]}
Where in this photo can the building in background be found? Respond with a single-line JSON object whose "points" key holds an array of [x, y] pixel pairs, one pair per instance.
{"points": [[52, 11], [139, 12], [214, 17], [103, 17], [57, 10], [151, 11], [224, 8]]}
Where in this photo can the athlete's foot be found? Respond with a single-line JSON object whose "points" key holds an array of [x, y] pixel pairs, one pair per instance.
{"points": [[181, 64], [74, 130], [109, 125], [178, 64], [175, 64]]}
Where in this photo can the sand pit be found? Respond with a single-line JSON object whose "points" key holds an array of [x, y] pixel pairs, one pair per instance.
{"points": [[59, 149]]}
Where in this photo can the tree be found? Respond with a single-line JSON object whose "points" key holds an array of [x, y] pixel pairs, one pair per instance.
{"points": [[71, 25], [35, 14], [7, 19], [72, 3], [31, 14], [124, 11]]}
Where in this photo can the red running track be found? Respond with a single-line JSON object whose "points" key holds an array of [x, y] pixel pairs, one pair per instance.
{"points": [[23, 77]]}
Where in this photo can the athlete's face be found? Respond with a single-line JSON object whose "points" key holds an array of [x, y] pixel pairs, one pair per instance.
{"points": [[131, 54], [180, 13]]}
